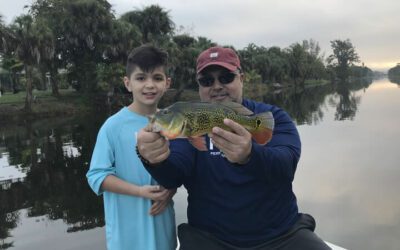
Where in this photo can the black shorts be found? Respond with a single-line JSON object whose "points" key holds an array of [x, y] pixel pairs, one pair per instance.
{"points": [[300, 236]]}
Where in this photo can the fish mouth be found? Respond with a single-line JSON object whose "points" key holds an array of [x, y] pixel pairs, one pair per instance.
{"points": [[167, 131], [155, 127]]}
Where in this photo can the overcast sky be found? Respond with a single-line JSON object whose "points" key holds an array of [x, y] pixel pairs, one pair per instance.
{"points": [[372, 26]]}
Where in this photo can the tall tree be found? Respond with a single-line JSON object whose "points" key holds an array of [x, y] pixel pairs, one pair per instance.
{"points": [[81, 30], [122, 38], [3, 35], [344, 55], [278, 65], [394, 74], [183, 62], [87, 25], [247, 56], [29, 41], [297, 58], [153, 21], [48, 12], [204, 43], [315, 61]]}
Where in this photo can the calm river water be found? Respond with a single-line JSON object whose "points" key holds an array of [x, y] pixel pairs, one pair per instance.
{"points": [[347, 178]]}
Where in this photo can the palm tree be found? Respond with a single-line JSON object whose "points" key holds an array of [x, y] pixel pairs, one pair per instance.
{"points": [[30, 45], [2, 34], [153, 22], [204, 43], [85, 26], [123, 38], [183, 53], [297, 58]]}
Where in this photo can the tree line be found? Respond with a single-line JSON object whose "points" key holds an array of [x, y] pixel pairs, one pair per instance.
{"points": [[394, 74], [81, 43]]}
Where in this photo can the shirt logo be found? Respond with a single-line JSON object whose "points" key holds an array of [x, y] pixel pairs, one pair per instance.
{"points": [[215, 153]]}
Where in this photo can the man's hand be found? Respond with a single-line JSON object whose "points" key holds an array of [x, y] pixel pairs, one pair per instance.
{"points": [[152, 146], [160, 205], [235, 145]]}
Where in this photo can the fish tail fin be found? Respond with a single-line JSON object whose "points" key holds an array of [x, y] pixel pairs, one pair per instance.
{"points": [[262, 134], [198, 142]]}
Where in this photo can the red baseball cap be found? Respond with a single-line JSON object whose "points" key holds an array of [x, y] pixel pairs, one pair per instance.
{"points": [[224, 57]]}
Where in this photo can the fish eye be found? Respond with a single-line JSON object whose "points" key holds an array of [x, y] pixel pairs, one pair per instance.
{"points": [[258, 123], [165, 111]]}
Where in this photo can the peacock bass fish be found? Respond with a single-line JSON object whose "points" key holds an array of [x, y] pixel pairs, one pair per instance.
{"points": [[192, 120]]}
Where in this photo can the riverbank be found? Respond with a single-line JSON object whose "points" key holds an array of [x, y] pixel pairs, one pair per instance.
{"points": [[71, 102], [44, 105]]}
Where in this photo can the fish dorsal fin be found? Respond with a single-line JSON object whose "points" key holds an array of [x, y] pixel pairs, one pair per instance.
{"points": [[238, 108]]}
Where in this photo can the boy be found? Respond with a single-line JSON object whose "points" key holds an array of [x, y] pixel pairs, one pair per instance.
{"points": [[139, 214]]}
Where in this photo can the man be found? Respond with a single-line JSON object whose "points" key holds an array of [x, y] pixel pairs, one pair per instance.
{"points": [[239, 192]]}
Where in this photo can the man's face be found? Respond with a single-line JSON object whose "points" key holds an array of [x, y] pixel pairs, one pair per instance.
{"points": [[218, 84]]}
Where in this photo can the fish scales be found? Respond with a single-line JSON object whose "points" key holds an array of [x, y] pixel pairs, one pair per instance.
{"points": [[195, 119]]}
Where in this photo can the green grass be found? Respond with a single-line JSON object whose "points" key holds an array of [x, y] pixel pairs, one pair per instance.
{"points": [[44, 104], [45, 95]]}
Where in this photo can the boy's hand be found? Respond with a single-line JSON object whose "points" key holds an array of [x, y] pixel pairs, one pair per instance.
{"points": [[153, 192], [152, 146], [159, 206]]}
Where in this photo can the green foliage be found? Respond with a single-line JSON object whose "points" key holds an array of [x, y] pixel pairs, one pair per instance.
{"points": [[298, 67], [30, 42], [184, 40], [394, 74], [84, 40], [344, 55], [315, 60], [81, 30], [153, 22], [278, 65], [360, 71], [295, 64], [3, 36], [123, 37], [183, 51], [252, 77], [110, 76]]}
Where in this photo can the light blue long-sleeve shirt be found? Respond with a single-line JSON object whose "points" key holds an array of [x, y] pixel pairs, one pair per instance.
{"points": [[128, 223]]}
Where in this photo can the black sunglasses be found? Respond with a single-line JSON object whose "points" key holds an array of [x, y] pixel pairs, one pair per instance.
{"points": [[224, 78]]}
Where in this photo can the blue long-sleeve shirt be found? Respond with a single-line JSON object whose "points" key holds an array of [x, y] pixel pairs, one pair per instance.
{"points": [[242, 204], [128, 222]]}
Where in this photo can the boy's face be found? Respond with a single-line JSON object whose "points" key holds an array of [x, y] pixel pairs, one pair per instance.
{"points": [[147, 88]]}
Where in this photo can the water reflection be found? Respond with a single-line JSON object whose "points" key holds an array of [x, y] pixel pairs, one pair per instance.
{"points": [[51, 158], [43, 166], [348, 174], [395, 79], [306, 106]]}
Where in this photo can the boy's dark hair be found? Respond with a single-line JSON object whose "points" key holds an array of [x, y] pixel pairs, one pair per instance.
{"points": [[147, 58]]}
